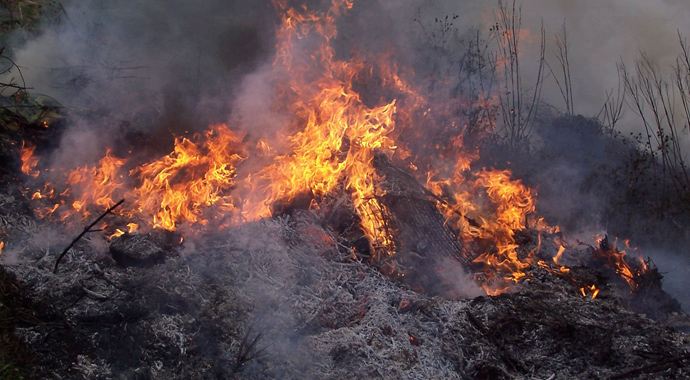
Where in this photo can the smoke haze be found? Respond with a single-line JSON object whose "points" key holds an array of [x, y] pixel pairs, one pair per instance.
{"points": [[164, 58]]}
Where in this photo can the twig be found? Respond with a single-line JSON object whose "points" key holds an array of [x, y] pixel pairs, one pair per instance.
{"points": [[94, 294], [86, 230], [248, 350]]}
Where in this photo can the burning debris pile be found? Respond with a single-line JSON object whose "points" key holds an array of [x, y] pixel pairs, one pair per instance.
{"points": [[348, 246]]}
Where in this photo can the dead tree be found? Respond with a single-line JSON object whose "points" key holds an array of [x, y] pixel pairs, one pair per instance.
{"points": [[656, 100], [613, 109], [564, 83], [11, 86]]}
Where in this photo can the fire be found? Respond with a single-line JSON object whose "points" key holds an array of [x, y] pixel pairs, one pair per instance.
{"points": [[2, 246], [559, 254], [178, 186], [165, 192], [510, 202], [118, 232], [340, 136], [29, 162], [327, 145], [590, 290], [132, 228], [96, 185], [513, 201], [618, 261], [336, 137]]}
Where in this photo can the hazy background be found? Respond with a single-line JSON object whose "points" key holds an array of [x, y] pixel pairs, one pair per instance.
{"points": [[174, 50]]}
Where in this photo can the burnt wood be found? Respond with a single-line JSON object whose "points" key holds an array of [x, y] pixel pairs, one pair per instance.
{"points": [[423, 242]]}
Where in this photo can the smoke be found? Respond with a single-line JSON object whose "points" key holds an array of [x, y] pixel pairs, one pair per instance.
{"points": [[602, 33], [120, 67], [674, 266], [164, 62]]}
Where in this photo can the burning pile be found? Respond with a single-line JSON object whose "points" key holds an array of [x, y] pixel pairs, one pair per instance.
{"points": [[225, 177], [357, 241]]}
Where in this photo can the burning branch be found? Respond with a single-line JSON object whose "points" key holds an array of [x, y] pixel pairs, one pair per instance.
{"points": [[86, 230]]}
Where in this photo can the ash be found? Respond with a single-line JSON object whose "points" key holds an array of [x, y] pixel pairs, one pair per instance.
{"points": [[284, 298]]}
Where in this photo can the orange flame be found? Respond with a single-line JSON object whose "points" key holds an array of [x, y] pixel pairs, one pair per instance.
{"points": [[96, 185], [559, 254], [617, 260], [176, 187], [132, 228], [118, 232], [511, 202], [340, 135], [591, 290], [28, 160]]}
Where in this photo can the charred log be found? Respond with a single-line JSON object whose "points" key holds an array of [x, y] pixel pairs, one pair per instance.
{"points": [[424, 244]]}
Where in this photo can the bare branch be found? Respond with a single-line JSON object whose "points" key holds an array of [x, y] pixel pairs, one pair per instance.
{"points": [[86, 230]]}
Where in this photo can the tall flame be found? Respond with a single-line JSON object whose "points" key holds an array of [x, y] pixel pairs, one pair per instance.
{"points": [[339, 135]]}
